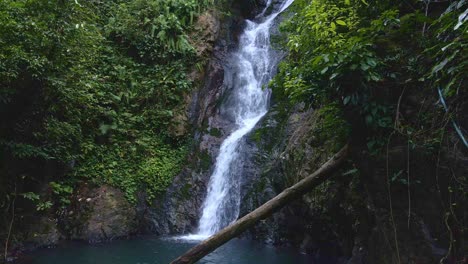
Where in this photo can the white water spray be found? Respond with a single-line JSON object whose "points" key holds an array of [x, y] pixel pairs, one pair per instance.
{"points": [[253, 65]]}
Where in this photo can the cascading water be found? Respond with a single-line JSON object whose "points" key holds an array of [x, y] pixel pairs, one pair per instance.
{"points": [[253, 64]]}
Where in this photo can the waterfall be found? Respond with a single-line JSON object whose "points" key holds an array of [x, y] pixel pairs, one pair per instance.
{"points": [[253, 64]]}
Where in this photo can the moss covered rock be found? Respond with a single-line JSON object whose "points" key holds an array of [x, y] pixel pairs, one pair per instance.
{"points": [[99, 214]]}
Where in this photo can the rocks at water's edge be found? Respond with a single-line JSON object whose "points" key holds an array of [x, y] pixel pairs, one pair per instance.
{"points": [[111, 216], [97, 215]]}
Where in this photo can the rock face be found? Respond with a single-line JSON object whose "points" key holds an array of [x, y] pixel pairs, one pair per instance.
{"points": [[347, 218], [177, 212], [96, 214], [99, 214], [111, 216], [206, 33], [203, 39], [43, 233], [287, 151]]}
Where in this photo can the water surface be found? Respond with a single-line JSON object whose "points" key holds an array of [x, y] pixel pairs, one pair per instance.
{"points": [[152, 250]]}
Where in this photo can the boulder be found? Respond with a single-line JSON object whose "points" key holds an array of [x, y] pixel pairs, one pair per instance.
{"points": [[43, 233], [99, 214], [111, 216]]}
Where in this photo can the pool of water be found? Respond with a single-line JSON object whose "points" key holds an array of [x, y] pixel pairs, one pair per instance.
{"points": [[152, 250]]}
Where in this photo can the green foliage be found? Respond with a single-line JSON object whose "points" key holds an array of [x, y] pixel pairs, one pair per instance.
{"points": [[334, 58], [449, 49], [205, 160], [215, 132], [61, 192], [381, 63], [332, 126], [156, 29], [44, 206], [41, 204], [93, 86], [148, 165], [361, 56], [31, 196]]}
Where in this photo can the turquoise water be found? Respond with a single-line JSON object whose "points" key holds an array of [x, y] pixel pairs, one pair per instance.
{"points": [[152, 250]]}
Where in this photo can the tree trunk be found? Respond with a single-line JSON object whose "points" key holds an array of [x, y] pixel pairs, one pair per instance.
{"points": [[262, 212]]}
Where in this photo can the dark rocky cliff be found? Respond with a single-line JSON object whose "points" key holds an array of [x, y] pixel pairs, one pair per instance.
{"points": [[349, 217]]}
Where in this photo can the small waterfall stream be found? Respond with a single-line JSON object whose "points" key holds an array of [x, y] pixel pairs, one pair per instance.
{"points": [[253, 65]]}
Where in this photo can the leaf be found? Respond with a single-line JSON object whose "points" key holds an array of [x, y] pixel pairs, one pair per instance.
{"points": [[346, 100], [364, 67], [369, 119], [317, 60], [371, 144], [115, 97], [340, 22], [372, 62], [31, 196], [352, 171], [104, 128], [439, 66]]}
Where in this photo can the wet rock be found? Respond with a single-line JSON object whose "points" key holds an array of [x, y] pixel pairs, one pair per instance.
{"points": [[177, 211], [348, 214], [98, 214], [206, 32], [111, 216], [207, 28], [43, 233], [250, 8]]}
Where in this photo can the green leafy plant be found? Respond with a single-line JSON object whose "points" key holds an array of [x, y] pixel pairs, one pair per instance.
{"points": [[44, 206], [95, 88]]}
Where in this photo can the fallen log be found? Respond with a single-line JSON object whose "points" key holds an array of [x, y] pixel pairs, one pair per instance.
{"points": [[262, 212]]}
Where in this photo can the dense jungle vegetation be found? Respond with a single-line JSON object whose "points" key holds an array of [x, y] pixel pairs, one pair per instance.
{"points": [[388, 75], [91, 93], [364, 55]]}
